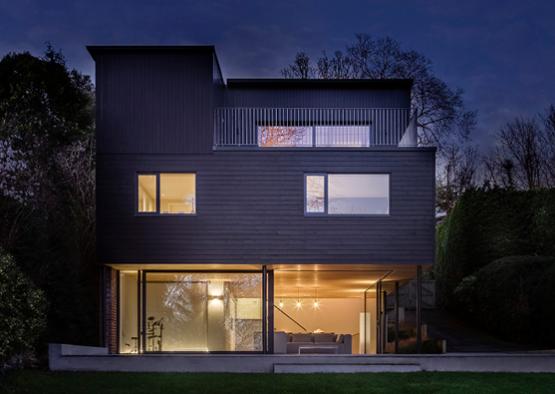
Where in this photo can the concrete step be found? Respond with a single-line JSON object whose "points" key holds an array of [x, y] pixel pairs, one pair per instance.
{"points": [[347, 368]]}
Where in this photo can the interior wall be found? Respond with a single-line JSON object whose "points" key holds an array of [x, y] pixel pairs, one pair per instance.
{"points": [[128, 336], [338, 315]]}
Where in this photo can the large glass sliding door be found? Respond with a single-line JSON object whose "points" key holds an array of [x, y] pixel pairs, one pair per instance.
{"points": [[193, 312]]}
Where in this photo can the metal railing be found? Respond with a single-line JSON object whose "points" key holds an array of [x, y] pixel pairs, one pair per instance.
{"points": [[242, 126]]}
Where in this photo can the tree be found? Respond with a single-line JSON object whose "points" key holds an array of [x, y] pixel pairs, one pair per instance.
{"points": [[440, 111], [457, 175], [524, 156], [47, 186], [44, 106], [22, 311]]}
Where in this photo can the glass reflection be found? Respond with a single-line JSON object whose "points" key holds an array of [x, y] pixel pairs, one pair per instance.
{"points": [[204, 311]]}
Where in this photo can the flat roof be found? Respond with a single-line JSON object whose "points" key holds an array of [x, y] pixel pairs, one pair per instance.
{"points": [[320, 83], [97, 49], [272, 83]]}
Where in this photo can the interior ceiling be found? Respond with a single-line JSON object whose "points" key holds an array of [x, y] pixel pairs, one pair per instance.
{"points": [[292, 281], [176, 186]]}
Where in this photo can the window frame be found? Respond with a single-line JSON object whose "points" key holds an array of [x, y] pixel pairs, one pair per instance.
{"points": [[158, 194], [326, 195]]}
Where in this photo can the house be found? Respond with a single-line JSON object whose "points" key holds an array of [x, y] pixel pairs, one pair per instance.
{"points": [[253, 215]]}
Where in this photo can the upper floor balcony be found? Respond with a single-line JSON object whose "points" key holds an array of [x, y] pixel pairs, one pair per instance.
{"points": [[241, 127]]}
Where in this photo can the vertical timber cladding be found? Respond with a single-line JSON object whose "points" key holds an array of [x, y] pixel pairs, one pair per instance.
{"points": [[154, 100], [110, 309]]}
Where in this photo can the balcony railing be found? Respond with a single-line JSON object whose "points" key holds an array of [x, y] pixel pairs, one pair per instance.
{"points": [[309, 127]]}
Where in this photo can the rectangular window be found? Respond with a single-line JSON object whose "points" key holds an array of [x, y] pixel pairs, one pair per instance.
{"points": [[315, 193], [284, 136], [146, 193], [128, 314], [343, 136], [203, 312], [318, 136], [347, 194], [167, 193], [177, 193]]}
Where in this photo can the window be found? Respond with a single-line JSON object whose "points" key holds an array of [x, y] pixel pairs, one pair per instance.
{"points": [[203, 311], [284, 136], [315, 193], [147, 193], [177, 193], [342, 136], [167, 193], [347, 194], [314, 136]]}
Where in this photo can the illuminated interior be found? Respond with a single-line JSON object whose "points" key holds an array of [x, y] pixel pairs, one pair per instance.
{"points": [[146, 193], [193, 312], [208, 311], [327, 301], [177, 193]]}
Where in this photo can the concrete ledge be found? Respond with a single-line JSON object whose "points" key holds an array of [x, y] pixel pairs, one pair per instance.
{"points": [[76, 350], [77, 358], [345, 368]]}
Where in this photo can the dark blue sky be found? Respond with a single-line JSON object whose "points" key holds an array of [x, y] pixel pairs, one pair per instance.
{"points": [[502, 53]]}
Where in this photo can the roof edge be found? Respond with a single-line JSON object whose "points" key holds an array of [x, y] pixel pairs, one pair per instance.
{"points": [[95, 50], [323, 83]]}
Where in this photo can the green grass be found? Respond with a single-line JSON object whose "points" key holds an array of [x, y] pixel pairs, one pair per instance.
{"points": [[32, 381]]}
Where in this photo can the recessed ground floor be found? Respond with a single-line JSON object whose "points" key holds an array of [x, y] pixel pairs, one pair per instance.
{"points": [[276, 309]]}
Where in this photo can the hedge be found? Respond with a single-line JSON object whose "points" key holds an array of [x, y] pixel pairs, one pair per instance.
{"points": [[486, 225], [513, 298], [22, 313]]}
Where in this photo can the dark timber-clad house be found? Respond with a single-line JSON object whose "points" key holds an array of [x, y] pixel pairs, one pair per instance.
{"points": [[253, 215]]}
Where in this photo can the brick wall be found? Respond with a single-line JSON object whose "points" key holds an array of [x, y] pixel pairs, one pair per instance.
{"points": [[110, 309]]}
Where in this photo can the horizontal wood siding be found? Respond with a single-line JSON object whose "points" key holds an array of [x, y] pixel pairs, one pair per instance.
{"points": [[154, 102], [317, 98], [250, 210]]}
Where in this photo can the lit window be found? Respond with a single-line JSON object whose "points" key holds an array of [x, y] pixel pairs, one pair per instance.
{"points": [[315, 193], [146, 193], [284, 136], [347, 194], [177, 193]]}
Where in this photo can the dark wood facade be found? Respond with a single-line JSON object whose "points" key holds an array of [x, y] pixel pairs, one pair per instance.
{"points": [[155, 114]]}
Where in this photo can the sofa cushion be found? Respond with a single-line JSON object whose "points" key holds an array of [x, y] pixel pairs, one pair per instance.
{"points": [[301, 337], [324, 337]]}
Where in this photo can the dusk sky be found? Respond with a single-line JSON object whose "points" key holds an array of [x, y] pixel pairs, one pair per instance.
{"points": [[501, 53]]}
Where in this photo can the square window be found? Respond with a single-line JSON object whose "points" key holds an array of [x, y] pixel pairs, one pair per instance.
{"points": [[177, 193]]}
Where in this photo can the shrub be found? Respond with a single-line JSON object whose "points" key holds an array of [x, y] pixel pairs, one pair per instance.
{"points": [[486, 225], [512, 298], [22, 311]]}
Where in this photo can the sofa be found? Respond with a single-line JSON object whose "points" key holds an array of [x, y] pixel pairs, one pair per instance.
{"points": [[312, 343]]}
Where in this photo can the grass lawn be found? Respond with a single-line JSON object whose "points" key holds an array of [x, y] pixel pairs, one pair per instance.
{"points": [[32, 381]]}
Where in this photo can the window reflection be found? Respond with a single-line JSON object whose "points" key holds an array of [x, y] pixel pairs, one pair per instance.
{"points": [[358, 194], [315, 193], [343, 136], [205, 311], [284, 136]]}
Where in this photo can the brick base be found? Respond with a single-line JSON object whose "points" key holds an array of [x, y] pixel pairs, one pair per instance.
{"points": [[111, 309]]}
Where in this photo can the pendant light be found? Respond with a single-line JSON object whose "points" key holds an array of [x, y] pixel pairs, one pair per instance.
{"points": [[298, 304], [316, 304]]}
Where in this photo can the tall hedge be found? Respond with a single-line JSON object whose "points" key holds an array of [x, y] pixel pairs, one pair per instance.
{"points": [[486, 225], [513, 298]]}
